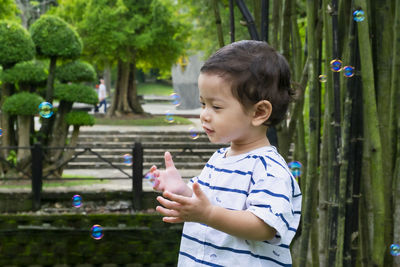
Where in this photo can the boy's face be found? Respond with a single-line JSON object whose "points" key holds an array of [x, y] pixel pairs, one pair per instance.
{"points": [[222, 116]]}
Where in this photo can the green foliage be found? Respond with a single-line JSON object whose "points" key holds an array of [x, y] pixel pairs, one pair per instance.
{"points": [[75, 93], [53, 37], [32, 72], [8, 9], [128, 30], [79, 118], [76, 71], [22, 104], [15, 44]]}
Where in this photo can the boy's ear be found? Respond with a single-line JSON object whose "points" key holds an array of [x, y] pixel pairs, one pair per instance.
{"points": [[262, 110]]}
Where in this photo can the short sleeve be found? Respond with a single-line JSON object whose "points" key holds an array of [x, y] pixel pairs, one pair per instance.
{"points": [[270, 200]]}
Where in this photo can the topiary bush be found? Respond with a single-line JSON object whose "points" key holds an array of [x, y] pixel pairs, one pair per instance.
{"points": [[32, 72], [76, 93], [22, 104], [16, 44], [79, 118], [76, 71], [53, 37]]}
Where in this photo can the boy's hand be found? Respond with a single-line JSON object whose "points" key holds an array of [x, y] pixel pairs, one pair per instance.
{"points": [[169, 179], [185, 209]]}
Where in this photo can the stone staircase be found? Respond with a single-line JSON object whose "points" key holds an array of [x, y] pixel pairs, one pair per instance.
{"points": [[189, 154]]}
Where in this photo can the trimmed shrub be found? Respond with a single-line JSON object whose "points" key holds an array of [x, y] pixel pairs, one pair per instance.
{"points": [[79, 118], [75, 93], [22, 104], [16, 44], [76, 71], [53, 37], [31, 72]]}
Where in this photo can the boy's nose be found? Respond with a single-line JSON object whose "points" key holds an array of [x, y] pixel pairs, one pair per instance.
{"points": [[204, 115]]}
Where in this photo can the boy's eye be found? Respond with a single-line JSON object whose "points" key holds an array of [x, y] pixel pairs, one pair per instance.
{"points": [[215, 107]]}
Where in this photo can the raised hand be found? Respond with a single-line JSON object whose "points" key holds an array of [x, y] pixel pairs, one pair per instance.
{"points": [[178, 208], [169, 179]]}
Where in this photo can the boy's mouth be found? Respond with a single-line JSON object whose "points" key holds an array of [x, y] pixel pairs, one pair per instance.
{"points": [[207, 130]]}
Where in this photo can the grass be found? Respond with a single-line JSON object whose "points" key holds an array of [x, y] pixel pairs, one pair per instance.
{"points": [[154, 89], [154, 121], [47, 183]]}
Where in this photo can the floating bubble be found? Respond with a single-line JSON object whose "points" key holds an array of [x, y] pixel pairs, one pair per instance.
{"points": [[348, 71], [1, 132], [358, 15], [336, 65], [323, 78], [175, 99], [77, 201], [169, 116], [127, 159], [194, 134], [150, 178], [295, 168], [395, 250], [97, 232], [45, 110]]}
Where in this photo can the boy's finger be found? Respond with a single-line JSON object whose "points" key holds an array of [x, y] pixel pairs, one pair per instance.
{"points": [[197, 190], [167, 212], [153, 168], [168, 204], [172, 220], [168, 160], [175, 197]]}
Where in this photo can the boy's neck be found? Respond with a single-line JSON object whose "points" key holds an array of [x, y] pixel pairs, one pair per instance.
{"points": [[241, 148]]}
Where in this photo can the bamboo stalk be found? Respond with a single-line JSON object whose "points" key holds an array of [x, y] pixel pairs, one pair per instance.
{"points": [[371, 127], [218, 23], [311, 175]]}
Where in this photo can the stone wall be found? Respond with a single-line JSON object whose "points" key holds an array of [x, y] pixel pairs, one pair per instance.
{"points": [[139, 239]]}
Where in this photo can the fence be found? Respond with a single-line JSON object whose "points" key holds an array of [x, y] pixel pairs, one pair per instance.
{"points": [[37, 177]]}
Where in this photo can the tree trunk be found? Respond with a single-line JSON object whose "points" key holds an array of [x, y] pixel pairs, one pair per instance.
{"points": [[125, 100], [312, 161], [372, 133], [60, 130], [24, 125], [218, 23]]}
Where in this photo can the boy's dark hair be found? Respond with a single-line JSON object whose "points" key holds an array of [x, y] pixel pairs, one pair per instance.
{"points": [[256, 72]]}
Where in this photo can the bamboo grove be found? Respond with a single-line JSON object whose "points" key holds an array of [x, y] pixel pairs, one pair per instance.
{"points": [[344, 130]]}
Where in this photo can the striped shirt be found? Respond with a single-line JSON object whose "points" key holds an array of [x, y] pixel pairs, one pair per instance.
{"points": [[258, 181]]}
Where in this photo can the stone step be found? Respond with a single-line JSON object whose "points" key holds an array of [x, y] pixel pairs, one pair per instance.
{"points": [[147, 158], [146, 165], [147, 151], [156, 138], [136, 133], [152, 145]]}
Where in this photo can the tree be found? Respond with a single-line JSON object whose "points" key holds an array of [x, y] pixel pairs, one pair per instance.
{"points": [[130, 34]]}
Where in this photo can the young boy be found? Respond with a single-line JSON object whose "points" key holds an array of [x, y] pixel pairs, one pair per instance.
{"points": [[244, 207]]}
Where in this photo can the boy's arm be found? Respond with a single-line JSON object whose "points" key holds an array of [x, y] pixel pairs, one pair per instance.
{"points": [[242, 224]]}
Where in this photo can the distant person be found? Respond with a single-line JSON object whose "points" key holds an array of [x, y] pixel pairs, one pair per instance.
{"points": [[102, 94], [244, 208]]}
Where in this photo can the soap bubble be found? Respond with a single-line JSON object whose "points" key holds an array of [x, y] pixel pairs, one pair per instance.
{"points": [[336, 65], [194, 134], [97, 232], [175, 99], [1, 132], [395, 249], [45, 110], [323, 78], [169, 116], [77, 201], [295, 168], [348, 71], [127, 159], [150, 178], [358, 15]]}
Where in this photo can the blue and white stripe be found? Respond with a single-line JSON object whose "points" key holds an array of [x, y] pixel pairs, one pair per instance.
{"points": [[260, 182]]}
